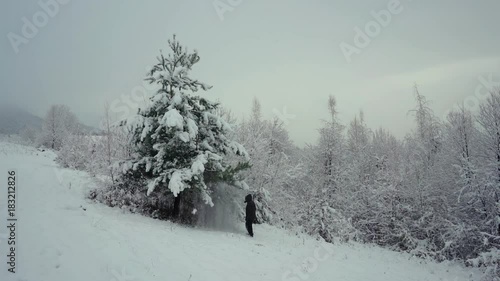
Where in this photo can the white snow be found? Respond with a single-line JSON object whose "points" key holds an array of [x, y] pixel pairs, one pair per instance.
{"points": [[62, 236], [149, 164], [176, 183], [177, 99], [173, 118], [198, 165], [147, 128], [152, 185], [183, 136], [192, 128]]}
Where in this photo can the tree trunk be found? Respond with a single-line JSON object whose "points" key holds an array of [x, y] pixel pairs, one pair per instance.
{"points": [[177, 205]]}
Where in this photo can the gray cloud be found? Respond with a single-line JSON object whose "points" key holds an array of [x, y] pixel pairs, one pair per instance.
{"points": [[286, 53]]}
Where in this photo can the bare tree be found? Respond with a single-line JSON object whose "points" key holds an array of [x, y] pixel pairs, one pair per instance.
{"points": [[59, 122], [489, 119], [108, 141]]}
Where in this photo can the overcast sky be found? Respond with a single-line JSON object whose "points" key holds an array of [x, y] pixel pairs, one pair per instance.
{"points": [[285, 53]]}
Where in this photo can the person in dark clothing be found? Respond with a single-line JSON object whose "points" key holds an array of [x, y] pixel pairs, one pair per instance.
{"points": [[250, 214]]}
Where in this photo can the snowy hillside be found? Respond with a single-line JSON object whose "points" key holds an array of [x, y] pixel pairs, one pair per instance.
{"points": [[61, 236]]}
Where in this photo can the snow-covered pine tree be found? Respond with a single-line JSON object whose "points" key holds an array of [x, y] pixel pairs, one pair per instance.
{"points": [[180, 142]]}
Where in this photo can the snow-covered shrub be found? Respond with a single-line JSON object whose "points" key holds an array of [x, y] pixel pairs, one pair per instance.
{"points": [[14, 138], [328, 223], [131, 197], [95, 154], [491, 262], [29, 134], [77, 151]]}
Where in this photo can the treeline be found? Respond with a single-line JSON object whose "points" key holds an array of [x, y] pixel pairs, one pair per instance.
{"points": [[436, 193]]}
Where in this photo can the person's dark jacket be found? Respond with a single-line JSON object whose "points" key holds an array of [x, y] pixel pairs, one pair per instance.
{"points": [[250, 210]]}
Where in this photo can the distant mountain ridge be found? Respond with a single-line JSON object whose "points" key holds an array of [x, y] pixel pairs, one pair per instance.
{"points": [[13, 119]]}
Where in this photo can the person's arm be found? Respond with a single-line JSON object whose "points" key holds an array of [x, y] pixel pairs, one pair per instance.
{"points": [[248, 212], [254, 215]]}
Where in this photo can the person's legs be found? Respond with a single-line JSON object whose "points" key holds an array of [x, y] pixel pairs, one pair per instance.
{"points": [[249, 226]]}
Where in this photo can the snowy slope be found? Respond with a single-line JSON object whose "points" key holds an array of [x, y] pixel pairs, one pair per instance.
{"points": [[61, 236]]}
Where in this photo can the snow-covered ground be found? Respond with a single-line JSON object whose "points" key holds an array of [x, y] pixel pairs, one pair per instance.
{"points": [[61, 236]]}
